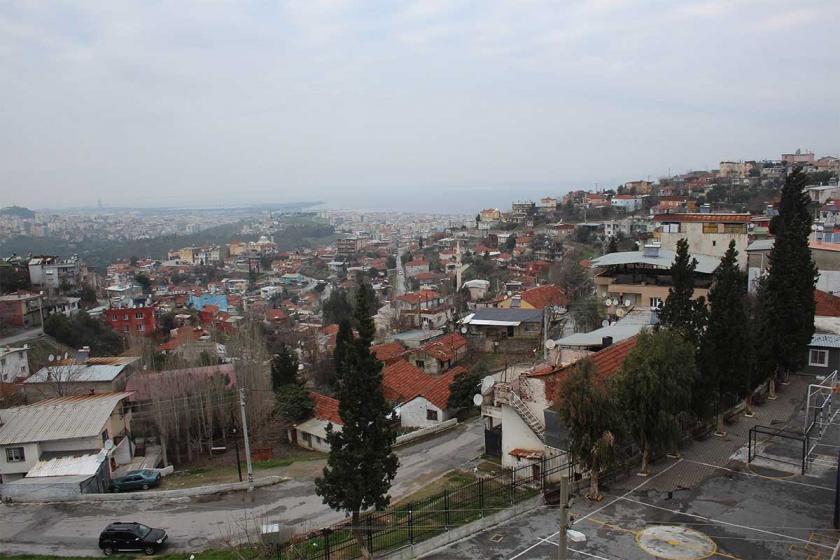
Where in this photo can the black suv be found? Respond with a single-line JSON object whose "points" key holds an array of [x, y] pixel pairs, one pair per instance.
{"points": [[131, 536]]}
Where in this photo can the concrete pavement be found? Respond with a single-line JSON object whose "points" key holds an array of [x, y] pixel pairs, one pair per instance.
{"points": [[67, 529]]}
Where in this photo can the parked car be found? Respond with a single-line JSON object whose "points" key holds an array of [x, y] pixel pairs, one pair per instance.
{"points": [[136, 480], [131, 536]]}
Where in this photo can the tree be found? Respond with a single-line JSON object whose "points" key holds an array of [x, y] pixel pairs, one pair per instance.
{"points": [[88, 296], [284, 368], [587, 312], [572, 277], [724, 357], [612, 246], [343, 350], [361, 464], [362, 315], [592, 420], [654, 389], [786, 304], [337, 307], [371, 301], [462, 389], [681, 312], [510, 243], [294, 403], [391, 262], [83, 330], [144, 281]]}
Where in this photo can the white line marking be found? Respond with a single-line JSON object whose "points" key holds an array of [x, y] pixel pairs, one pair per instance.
{"points": [[756, 475], [593, 512], [574, 550], [718, 522]]}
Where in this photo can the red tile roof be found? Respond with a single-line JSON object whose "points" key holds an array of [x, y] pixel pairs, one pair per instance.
{"points": [[275, 315], [402, 381], [527, 453], [438, 392], [417, 297], [330, 329], [828, 305], [722, 218], [445, 348], [326, 408], [541, 296], [388, 351]]}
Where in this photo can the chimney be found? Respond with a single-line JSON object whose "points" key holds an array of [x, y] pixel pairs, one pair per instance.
{"points": [[651, 250], [83, 354], [606, 341]]}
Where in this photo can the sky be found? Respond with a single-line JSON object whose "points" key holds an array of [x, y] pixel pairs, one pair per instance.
{"points": [[440, 105]]}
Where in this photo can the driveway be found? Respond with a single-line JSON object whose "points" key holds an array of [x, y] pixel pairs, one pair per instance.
{"points": [[68, 529]]}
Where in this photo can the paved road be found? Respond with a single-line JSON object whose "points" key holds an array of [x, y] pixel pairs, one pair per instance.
{"points": [[21, 337], [73, 529]]}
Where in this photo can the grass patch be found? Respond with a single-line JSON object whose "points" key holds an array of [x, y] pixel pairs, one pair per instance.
{"points": [[213, 554], [203, 475]]}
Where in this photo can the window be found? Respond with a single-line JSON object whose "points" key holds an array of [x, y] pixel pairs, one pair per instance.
{"points": [[431, 414], [734, 228], [510, 331], [138, 315], [671, 228], [711, 228], [655, 302], [818, 358], [420, 363], [15, 455], [140, 328]]}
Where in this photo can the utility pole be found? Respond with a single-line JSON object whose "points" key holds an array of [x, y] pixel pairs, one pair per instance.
{"points": [[562, 551], [247, 444]]}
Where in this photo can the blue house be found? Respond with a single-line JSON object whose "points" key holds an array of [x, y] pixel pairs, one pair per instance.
{"points": [[198, 302]]}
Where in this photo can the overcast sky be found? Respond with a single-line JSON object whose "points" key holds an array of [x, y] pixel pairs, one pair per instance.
{"points": [[172, 103]]}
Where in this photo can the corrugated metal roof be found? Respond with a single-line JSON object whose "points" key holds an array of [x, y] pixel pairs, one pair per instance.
{"points": [[93, 369], [706, 264], [58, 418], [68, 466], [504, 317]]}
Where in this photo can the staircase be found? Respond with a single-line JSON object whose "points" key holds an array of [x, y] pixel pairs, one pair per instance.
{"points": [[527, 416]]}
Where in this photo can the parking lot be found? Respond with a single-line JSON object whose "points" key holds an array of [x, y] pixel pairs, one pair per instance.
{"points": [[708, 503]]}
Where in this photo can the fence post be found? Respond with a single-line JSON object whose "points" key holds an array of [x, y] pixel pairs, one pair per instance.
{"points": [[512, 486], [370, 533], [410, 524], [446, 508], [481, 495], [326, 533]]}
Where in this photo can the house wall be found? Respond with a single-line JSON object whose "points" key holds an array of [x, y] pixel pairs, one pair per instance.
{"points": [[31, 453], [641, 294], [310, 441], [714, 244], [833, 362], [413, 414], [76, 444], [516, 434], [13, 365], [39, 391]]}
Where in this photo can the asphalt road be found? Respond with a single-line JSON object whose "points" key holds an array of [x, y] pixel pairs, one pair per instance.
{"points": [[72, 529]]}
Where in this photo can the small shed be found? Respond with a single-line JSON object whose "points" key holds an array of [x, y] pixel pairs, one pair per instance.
{"points": [[823, 354]]}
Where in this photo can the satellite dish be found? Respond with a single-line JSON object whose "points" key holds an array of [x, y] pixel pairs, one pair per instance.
{"points": [[627, 303], [605, 323], [620, 313], [51, 358], [478, 399], [109, 444], [607, 301], [464, 330], [550, 343], [615, 301], [509, 293]]}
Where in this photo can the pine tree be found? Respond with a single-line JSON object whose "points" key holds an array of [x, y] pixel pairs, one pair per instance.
{"points": [[362, 315], [681, 312], [361, 464], [284, 368], [724, 358], [654, 389], [786, 304], [592, 420]]}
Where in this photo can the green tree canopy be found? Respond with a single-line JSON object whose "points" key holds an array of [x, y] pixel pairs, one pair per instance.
{"points": [[294, 403], [462, 389], [284, 368], [337, 307], [654, 389], [592, 419], [83, 330], [681, 312], [786, 304]]}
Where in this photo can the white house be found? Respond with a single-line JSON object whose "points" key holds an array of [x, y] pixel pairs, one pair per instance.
{"points": [[626, 202], [14, 364], [64, 426], [312, 433], [430, 406]]}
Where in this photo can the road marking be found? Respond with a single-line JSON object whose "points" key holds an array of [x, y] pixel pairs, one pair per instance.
{"points": [[593, 512], [546, 541], [753, 473], [719, 522]]}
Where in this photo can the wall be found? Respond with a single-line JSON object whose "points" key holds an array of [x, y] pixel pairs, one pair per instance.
{"points": [[714, 244], [31, 452], [315, 443], [516, 434], [413, 414], [833, 362], [13, 365], [49, 490]]}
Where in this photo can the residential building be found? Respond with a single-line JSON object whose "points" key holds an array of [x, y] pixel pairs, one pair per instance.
{"points": [[388, 352], [798, 157], [81, 375], [504, 330], [626, 202], [642, 278], [348, 247], [823, 354], [415, 267], [707, 234], [826, 256], [14, 364], [430, 406], [312, 433], [139, 321], [536, 298], [638, 187], [823, 193], [547, 204], [439, 355], [21, 309], [66, 426], [424, 308], [522, 210], [54, 273]]}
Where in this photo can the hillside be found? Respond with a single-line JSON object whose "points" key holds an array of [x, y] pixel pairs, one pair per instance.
{"points": [[17, 212]]}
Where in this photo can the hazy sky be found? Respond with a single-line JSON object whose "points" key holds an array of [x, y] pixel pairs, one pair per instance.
{"points": [[362, 103]]}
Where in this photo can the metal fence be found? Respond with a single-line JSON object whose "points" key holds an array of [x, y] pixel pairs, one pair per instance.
{"points": [[408, 523]]}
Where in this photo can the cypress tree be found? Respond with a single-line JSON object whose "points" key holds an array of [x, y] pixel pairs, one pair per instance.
{"points": [[786, 303], [343, 348], [724, 357], [681, 312], [284, 368], [361, 463]]}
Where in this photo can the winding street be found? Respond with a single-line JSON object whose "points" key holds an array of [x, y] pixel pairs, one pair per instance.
{"points": [[72, 529]]}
